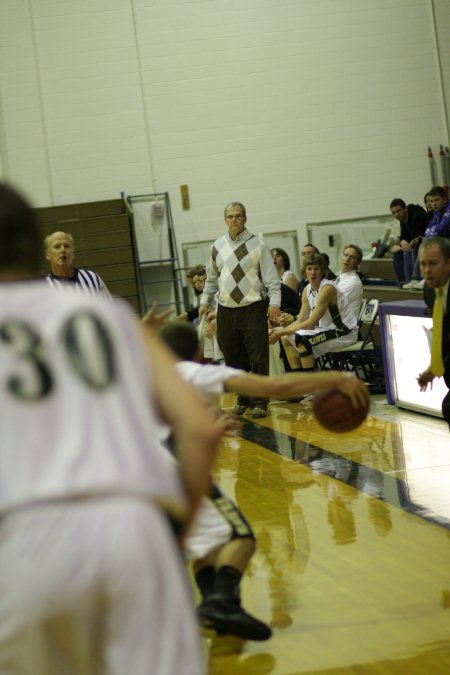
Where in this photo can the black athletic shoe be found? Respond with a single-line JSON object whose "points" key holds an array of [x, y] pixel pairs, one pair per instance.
{"points": [[258, 411], [240, 409], [230, 618]]}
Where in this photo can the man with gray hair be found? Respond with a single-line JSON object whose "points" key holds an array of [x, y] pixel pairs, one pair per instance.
{"points": [[241, 268], [59, 250]]}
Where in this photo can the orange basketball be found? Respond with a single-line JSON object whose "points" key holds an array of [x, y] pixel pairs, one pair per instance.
{"points": [[334, 411]]}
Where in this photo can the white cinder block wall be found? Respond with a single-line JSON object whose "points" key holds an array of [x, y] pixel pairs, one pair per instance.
{"points": [[305, 110]]}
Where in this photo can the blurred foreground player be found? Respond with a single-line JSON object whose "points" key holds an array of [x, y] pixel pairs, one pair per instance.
{"points": [[221, 541], [91, 580]]}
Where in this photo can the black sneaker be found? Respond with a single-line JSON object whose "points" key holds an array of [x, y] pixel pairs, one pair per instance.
{"points": [[258, 411], [230, 618], [240, 409]]}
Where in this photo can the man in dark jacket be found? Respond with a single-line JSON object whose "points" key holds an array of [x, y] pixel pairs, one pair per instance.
{"points": [[413, 221], [435, 267]]}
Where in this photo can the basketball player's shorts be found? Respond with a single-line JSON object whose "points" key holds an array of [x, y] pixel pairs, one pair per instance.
{"points": [[320, 342], [97, 583], [217, 521]]}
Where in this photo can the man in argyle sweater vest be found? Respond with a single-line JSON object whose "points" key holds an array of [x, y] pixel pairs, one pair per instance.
{"points": [[240, 267]]}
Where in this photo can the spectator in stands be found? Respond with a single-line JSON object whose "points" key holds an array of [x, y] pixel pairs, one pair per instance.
{"points": [[283, 266], [428, 207], [440, 223], [196, 277], [240, 267], [348, 279], [413, 221], [59, 250], [439, 226], [326, 320]]}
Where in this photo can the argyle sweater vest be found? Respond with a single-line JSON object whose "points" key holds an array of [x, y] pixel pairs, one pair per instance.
{"points": [[238, 263]]}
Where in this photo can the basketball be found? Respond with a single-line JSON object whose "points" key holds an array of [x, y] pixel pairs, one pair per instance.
{"points": [[333, 411]]}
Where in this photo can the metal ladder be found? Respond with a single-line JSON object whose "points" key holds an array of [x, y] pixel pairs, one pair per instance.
{"points": [[158, 271]]}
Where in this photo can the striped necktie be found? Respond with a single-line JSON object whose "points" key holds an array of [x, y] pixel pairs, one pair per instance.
{"points": [[437, 364]]}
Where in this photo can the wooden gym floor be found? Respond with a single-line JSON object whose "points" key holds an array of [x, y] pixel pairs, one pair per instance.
{"points": [[353, 562]]}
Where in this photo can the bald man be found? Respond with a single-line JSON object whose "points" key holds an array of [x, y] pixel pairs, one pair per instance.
{"points": [[59, 250]]}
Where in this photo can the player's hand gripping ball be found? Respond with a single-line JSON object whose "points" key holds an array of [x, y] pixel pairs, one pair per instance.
{"points": [[334, 411]]}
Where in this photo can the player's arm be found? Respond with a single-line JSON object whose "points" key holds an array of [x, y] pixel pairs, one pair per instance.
{"points": [[193, 423], [154, 321], [327, 296], [292, 385]]}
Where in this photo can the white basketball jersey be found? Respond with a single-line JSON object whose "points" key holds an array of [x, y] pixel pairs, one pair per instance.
{"points": [[344, 315], [206, 378], [76, 414]]}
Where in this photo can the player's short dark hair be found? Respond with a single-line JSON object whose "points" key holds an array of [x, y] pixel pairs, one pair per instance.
{"points": [[310, 246], [397, 202], [181, 337], [20, 242], [443, 243], [197, 269], [437, 191]]}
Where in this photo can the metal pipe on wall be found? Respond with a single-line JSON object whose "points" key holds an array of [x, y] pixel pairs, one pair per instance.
{"points": [[431, 166], [440, 70]]}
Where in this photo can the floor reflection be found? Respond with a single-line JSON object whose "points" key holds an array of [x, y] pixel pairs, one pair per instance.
{"points": [[228, 652], [405, 476], [350, 580]]}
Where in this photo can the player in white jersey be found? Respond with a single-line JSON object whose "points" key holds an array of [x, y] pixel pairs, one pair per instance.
{"points": [[91, 579], [326, 320], [59, 250], [221, 541]]}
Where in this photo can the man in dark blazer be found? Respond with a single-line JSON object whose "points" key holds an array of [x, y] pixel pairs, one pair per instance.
{"points": [[435, 267]]}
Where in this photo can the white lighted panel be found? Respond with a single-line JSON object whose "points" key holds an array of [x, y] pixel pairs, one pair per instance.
{"points": [[409, 349]]}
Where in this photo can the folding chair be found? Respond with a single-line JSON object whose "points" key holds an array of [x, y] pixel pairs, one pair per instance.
{"points": [[324, 362], [362, 309], [362, 358]]}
